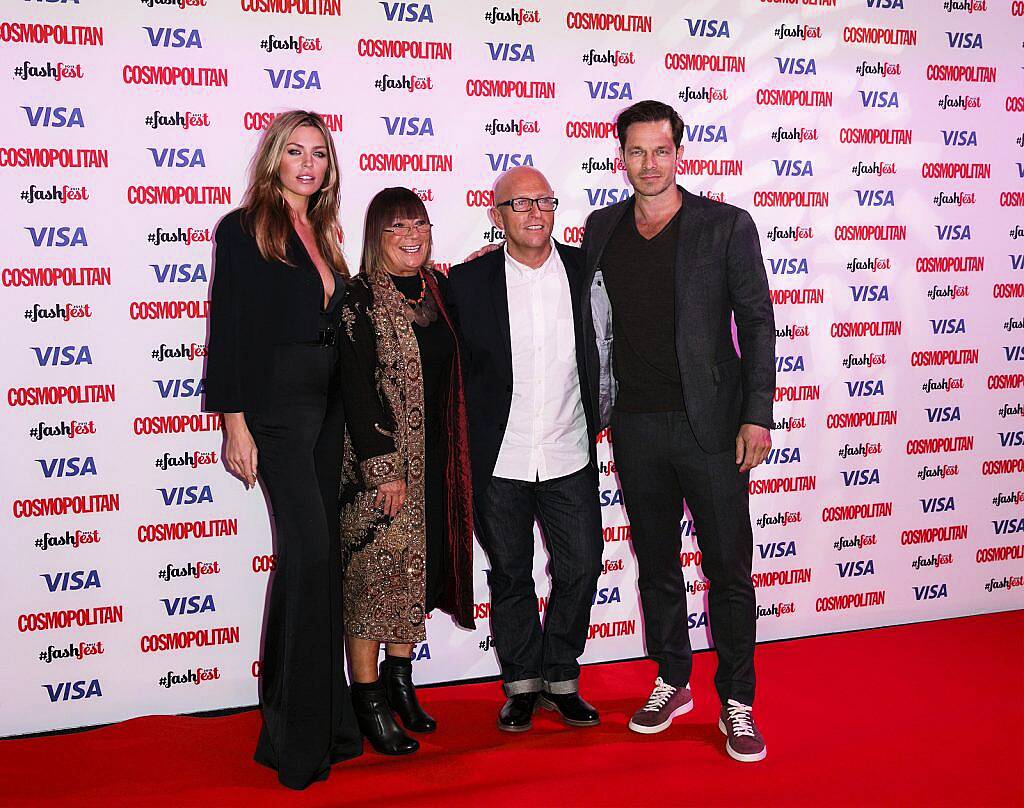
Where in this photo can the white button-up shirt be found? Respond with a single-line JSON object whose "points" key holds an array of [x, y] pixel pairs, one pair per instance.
{"points": [[546, 435]]}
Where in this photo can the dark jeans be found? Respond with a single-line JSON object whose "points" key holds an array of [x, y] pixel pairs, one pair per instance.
{"points": [[570, 518], [659, 463]]}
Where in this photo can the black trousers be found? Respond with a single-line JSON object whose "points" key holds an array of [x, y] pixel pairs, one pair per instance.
{"points": [[570, 518], [308, 721], [659, 464]]}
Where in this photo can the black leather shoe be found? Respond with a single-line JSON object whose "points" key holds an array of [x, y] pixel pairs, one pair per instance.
{"points": [[378, 725], [574, 711], [517, 714], [401, 696]]}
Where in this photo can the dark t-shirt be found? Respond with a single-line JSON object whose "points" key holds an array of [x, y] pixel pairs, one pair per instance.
{"points": [[639, 275]]}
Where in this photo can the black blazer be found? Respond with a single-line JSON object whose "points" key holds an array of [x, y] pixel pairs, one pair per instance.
{"points": [[719, 274], [255, 305], [478, 303]]}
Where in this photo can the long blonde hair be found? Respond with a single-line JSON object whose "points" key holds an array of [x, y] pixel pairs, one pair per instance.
{"points": [[385, 207], [267, 213]]}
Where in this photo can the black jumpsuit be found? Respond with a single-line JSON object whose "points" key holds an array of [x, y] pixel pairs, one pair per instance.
{"points": [[273, 356]]}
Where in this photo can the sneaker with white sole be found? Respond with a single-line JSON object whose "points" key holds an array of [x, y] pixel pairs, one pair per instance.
{"points": [[743, 742], [664, 704]]}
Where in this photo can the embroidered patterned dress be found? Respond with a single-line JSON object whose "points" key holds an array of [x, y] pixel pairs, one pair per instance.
{"points": [[386, 559]]}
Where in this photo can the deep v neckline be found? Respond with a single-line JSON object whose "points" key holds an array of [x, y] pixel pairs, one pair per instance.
{"points": [[325, 299]]}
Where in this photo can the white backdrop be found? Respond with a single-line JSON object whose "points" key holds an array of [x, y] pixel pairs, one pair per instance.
{"points": [[886, 182]]}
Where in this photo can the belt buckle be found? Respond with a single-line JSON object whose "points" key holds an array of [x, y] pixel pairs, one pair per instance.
{"points": [[326, 337]]}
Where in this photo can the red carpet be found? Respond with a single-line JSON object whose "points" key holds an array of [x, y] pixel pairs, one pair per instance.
{"points": [[930, 714]]}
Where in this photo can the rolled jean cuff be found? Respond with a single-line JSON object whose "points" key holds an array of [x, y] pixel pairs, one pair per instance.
{"points": [[562, 688], [523, 686]]}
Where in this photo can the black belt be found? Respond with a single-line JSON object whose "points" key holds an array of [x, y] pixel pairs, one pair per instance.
{"points": [[325, 338]]}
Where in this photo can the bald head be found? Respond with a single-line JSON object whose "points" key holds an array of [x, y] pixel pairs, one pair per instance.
{"points": [[520, 181], [527, 232]]}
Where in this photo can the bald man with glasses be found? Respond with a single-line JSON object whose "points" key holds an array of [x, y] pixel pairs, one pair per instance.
{"points": [[532, 442]]}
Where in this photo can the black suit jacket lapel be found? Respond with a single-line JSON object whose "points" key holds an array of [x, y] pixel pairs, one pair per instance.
{"points": [[499, 300]]}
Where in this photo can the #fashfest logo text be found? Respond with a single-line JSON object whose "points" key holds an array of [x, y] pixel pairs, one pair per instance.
{"points": [[297, 44], [63, 194], [180, 119], [857, 541], [62, 429], [517, 16], [67, 539], [183, 350], [513, 126], [193, 676], [191, 569], [403, 83], [189, 459], [707, 94], [63, 312], [58, 71], [73, 650], [608, 58], [180, 235]]}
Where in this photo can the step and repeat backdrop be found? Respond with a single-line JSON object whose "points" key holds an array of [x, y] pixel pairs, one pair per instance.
{"points": [[877, 143]]}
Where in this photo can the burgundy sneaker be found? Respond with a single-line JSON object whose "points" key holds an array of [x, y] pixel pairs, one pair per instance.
{"points": [[664, 704], [744, 742]]}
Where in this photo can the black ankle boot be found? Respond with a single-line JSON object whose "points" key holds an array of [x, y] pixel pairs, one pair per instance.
{"points": [[377, 723], [396, 674]]}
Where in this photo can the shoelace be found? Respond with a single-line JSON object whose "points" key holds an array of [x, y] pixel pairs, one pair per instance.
{"points": [[740, 718], [660, 696]]}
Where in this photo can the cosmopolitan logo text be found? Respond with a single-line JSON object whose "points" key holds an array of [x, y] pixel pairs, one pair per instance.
{"points": [[175, 76], [47, 34], [867, 328], [70, 618], [906, 37], [23, 157], [404, 49], [776, 485], [258, 121], [406, 162], [59, 506], [325, 8], [61, 395], [499, 88], [595, 21], [715, 63], [183, 640], [185, 531]]}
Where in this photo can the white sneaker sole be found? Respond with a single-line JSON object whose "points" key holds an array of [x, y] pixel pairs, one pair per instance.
{"points": [[736, 755], [664, 725]]}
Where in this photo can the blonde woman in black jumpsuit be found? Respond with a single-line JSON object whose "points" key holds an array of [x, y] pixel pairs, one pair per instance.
{"points": [[273, 372]]}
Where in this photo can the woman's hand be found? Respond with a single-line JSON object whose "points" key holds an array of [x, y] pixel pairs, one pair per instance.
{"points": [[390, 497], [482, 251], [240, 449]]}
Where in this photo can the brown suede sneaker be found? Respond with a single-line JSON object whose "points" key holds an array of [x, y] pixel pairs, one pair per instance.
{"points": [[744, 743], [664, 704]]}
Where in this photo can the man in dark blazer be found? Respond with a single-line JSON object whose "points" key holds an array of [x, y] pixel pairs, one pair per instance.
{"points": [[532, 430], [670, 271]]}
